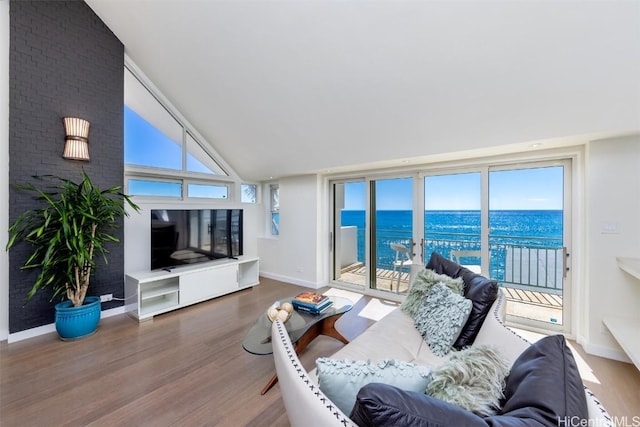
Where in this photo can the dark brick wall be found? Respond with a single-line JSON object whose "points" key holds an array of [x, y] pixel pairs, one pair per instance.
{"points": [[63, 62]]}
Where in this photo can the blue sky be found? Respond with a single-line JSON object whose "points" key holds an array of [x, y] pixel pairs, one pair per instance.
{"points": [[529, 189], [145, 145], [539, 188]]}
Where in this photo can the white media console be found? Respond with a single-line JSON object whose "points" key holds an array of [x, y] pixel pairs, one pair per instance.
{"points": [[149, 293]]}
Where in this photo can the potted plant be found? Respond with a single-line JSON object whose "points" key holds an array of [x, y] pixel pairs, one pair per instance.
{"points": [[73, 226]]}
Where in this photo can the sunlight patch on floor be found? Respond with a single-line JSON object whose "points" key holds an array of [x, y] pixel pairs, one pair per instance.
{"points": [[353, 296], [586, 373], [376, 309]]}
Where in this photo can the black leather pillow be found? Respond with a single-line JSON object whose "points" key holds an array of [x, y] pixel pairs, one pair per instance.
{"points": [[383, 405], [483, 293], [441, 265], [544, 388], [480, 290]]}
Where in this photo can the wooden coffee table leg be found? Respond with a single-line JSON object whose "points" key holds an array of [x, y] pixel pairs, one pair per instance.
{"points": [[324, 327], [329, 329], [271, 383]]}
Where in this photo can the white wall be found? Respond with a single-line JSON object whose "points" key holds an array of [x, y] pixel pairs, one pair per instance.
{"points": [[348, 245], [613, 197], [295, 256], [4, 167]]}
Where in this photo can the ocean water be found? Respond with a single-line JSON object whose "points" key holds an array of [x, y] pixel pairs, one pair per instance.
{"points": [[445, 231]]}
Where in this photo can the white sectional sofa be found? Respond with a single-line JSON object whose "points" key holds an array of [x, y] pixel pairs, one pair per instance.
{"points": [[395, 337]]}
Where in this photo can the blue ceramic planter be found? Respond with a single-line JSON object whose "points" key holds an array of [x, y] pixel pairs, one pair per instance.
{"points": [[77, 322]]}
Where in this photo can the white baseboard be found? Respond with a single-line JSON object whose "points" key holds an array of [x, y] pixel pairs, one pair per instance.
{"points": [[112, 312], [291, 280], [606, 352], [30, 333], [47, 329]]}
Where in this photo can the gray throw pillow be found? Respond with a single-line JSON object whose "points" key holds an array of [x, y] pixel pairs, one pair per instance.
{"points": [[422, 284], [473, 378], [340, 380], [441, 317]]}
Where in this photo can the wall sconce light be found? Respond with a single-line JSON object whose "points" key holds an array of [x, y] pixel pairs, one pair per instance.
{"points": [[76, 142]]}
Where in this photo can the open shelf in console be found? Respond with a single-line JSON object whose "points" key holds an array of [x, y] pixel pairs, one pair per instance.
{"points": [[247, 273], [159, 295]]}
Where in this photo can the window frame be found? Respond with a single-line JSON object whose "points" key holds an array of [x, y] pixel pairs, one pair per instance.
{"points": [[185, 177], [274, 210], [255, 193]]}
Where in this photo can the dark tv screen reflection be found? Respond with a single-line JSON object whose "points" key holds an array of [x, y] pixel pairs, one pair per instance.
{"points": [[189, 236]]}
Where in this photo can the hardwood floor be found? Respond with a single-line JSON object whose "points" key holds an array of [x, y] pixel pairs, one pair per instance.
{"points": [[188, 368]]}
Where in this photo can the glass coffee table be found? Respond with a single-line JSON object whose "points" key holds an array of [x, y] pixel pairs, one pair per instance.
{"points": [[302, 327]]}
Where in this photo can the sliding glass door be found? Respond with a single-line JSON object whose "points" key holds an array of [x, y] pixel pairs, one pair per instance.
{"points": [[528, 212], [349, 232], [453, 218], [392, 238], [507, 222], [372, 237]]}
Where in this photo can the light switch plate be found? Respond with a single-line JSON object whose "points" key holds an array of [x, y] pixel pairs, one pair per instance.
{"points": [[610, 227]]}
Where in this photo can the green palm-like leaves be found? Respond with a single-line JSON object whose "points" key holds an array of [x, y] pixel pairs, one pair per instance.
{"points": [[66, 233]]}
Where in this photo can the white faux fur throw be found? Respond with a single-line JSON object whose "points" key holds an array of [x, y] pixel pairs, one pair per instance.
{"points": [[473, 378], [421, 286]]}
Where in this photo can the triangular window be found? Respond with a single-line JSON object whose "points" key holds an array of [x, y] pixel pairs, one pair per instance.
{"points": [[199, 160], [154, 138]]}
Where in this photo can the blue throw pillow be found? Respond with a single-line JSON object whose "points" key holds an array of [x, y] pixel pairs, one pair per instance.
{"points": [[340, 380], [441, 317]]}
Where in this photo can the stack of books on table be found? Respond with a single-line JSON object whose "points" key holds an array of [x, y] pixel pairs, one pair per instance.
{"points": [[310, 302]]}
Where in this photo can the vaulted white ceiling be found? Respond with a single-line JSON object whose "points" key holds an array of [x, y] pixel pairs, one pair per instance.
{"points": [[291, 87]]}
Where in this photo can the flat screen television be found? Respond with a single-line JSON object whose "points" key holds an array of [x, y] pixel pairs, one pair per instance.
{"points": [[189, 236]]}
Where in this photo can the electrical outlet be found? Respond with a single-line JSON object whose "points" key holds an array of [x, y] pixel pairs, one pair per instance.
{"points": [[106, 297]]}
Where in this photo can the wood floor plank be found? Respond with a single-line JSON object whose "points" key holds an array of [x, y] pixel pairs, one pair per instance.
{"points": [[188, 368]]}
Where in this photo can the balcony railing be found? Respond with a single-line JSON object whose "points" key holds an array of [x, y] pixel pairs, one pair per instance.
{"points": [[529, 269], [527, 262]]}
